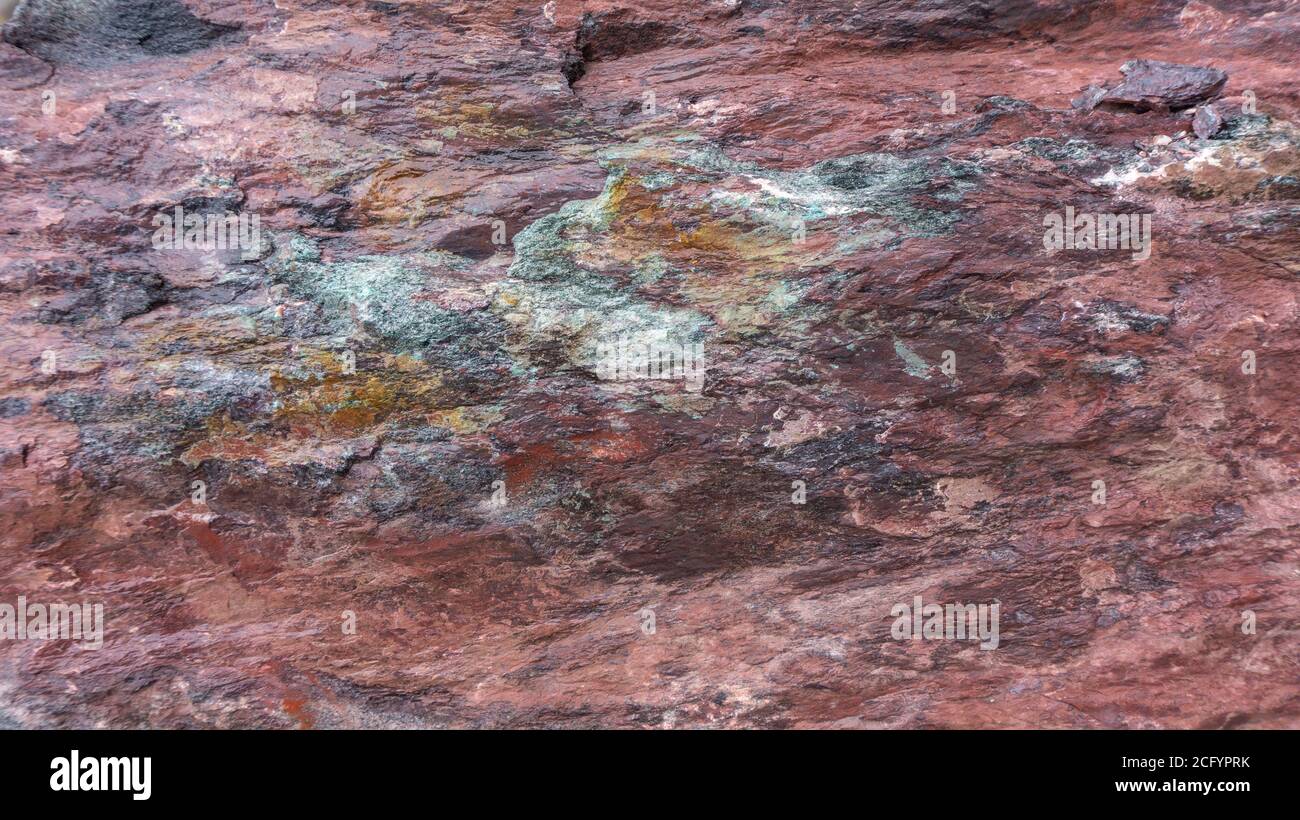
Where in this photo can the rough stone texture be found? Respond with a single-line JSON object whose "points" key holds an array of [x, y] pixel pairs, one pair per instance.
{"points": [[99, 32], [371, 492], [1155, 84], [1207, 122]]}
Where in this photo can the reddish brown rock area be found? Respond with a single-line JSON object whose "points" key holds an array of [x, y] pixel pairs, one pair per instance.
{"points": [[370, 464]]}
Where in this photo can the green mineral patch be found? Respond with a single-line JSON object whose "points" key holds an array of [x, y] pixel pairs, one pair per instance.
{"points": [[1125, 368], [387, 295], [1069, 151], [877, 184], [652, 268], [656, 181], [550, 297], [913, 364], [685, 239]]}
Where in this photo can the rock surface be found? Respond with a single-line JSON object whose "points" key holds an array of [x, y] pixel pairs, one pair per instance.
{"points": [[1156, 84], [1207, 122], [394, 402]]}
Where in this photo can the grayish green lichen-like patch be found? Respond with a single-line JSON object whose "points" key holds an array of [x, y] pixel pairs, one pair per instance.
{"points": [[879, 184], [913, 364], [657, 181], [387, 296], [555, 300], [1245, 125], [1112, 317], [1125, 368], [550, 298]]}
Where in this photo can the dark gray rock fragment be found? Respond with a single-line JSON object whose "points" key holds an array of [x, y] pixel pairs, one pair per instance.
{"points": [[1088, 100], [102, 32], [1152, 84]]}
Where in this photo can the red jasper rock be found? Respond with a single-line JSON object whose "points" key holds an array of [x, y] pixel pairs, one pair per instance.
{"points": [[613, 364]]}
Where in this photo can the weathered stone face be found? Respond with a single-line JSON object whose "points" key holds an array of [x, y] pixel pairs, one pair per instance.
{"points": [[103, 32], [636, 364], [1157, 84]]}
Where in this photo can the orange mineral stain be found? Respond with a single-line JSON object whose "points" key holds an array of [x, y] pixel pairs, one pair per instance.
{"points": [[296, 707]]}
